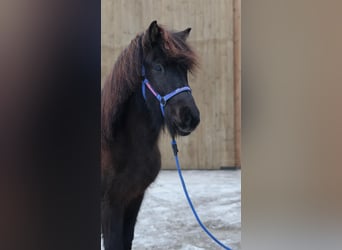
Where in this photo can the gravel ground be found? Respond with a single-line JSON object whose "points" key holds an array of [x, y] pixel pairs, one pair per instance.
{"points": [[165, 219]]}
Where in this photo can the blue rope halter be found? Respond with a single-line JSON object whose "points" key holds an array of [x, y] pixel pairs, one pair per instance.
{"points": [[162, 101]]}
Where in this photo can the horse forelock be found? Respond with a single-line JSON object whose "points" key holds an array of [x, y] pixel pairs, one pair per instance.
{"points": [[177, 49]]}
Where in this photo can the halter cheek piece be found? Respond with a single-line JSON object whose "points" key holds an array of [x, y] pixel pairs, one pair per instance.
{"points": [[162, 99]]}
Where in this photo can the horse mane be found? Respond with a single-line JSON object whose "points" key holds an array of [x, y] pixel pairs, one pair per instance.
{"points": [[125, 77]]}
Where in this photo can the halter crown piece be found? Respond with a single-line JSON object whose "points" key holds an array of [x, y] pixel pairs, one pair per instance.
{"points": [[161, 99]]}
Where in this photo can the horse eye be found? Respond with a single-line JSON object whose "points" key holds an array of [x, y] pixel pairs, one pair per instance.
{"points": [[158, 67]]}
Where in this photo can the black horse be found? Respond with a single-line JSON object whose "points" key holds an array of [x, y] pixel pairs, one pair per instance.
{"points": [[133, 113]]}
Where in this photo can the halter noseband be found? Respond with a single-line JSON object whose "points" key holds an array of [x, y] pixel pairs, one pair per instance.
{"points": [[162, 99]]}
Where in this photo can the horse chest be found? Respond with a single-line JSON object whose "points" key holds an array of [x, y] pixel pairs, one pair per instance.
{"points": [[135, 167], [144, 167]]}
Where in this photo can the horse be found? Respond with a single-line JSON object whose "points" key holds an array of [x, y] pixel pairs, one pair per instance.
{"points": [[146, 92]]}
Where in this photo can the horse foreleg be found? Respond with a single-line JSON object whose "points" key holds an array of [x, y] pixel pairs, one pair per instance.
{"points": [[130, 217], [112, 225]]}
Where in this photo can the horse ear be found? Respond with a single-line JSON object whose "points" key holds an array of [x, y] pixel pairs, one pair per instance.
{"points": [[154, 33], [184, 34]]}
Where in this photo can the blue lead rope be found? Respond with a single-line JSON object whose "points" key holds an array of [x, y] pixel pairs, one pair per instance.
{"points": [[162, 102], [175, 153]]}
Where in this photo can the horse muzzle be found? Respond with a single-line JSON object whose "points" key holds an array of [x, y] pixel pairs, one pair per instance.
{"points": [[187, 120]]}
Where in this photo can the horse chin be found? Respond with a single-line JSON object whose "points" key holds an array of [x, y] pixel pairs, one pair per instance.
{"points": [[182, 133], [175, 130]]}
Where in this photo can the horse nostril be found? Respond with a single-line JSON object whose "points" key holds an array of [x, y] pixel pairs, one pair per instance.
{"points": [[189, 119], [185, 115]]}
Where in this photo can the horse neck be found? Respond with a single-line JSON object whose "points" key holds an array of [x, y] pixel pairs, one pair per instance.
{"points": [[144, 125]]}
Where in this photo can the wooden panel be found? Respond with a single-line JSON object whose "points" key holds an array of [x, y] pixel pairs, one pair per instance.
{"points": [[213, 144], [237, 80]]}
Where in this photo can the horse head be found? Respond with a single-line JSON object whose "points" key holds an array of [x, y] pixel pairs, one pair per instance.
{"points": [[167, 59]]}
